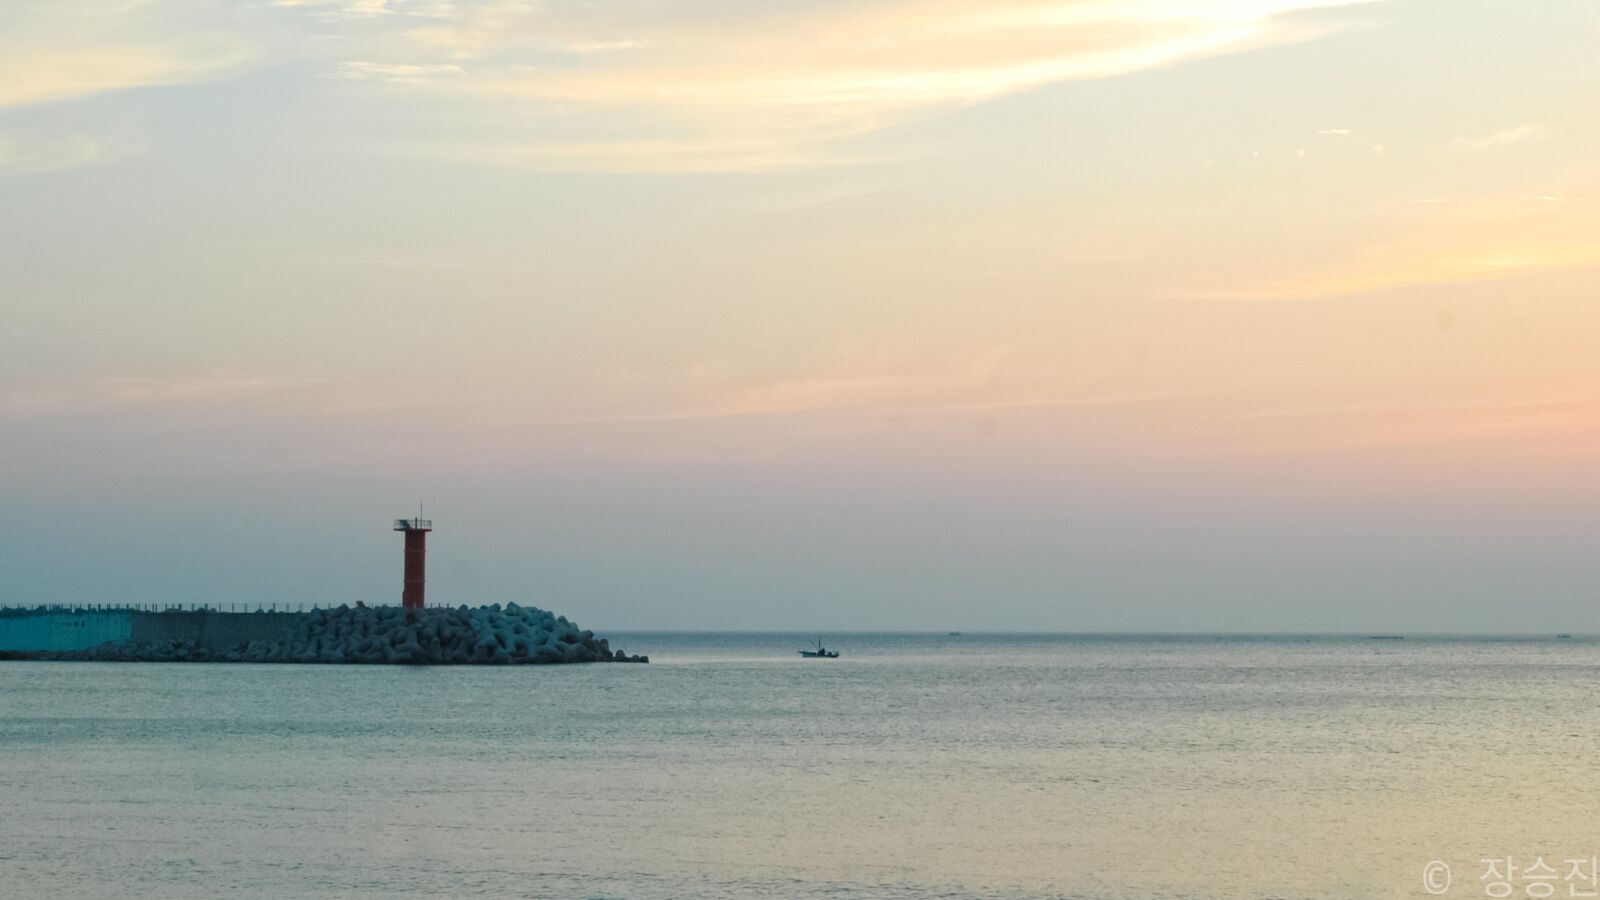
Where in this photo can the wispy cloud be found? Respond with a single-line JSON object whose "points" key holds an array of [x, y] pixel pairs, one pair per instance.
{"points": [[751, 87], [214, 383], [394, 73], [33, 153], [121, 391], [809, 197], [208, 388], [1461, 242], [639, 84], [346, 10], [64, 49], [1508, 137]]}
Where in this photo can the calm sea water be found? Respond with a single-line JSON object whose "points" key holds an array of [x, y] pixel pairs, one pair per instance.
{"points": [[914, 766]]}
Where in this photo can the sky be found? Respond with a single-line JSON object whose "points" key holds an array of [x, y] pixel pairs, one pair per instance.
{"points": [[1065, 315]]}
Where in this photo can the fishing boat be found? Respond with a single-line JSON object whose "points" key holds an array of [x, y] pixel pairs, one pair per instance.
{"points": [[820, 653]]}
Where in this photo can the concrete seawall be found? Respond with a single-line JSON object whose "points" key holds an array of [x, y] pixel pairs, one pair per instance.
{"points": [[23, 630], [59, 630], [215, 630]]}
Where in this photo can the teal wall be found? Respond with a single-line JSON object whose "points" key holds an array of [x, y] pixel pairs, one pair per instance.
{"points": [[63, 630], [60, 629]]}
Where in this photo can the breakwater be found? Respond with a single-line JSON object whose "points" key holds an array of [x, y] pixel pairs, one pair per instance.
{"points": [[487, 635]]}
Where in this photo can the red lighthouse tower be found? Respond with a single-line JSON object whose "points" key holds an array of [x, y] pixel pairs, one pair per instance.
{"points": [[416, 559]]}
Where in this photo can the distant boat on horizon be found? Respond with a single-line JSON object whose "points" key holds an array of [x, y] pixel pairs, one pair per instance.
{"points": [[820, 653]]}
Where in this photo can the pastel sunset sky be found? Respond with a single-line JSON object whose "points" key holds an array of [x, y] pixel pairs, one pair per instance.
{"points": [[1223, 315]]}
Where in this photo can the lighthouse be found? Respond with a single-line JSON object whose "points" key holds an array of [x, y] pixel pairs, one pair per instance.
{"points": [[416, 531]]}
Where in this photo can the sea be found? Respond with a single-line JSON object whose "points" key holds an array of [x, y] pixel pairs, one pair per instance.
{"points": [[915, 765]]}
